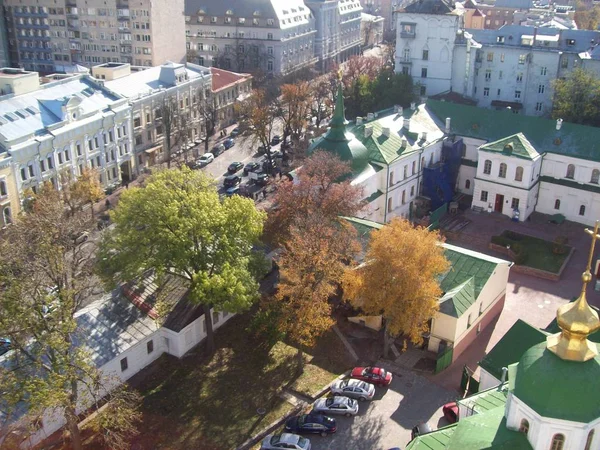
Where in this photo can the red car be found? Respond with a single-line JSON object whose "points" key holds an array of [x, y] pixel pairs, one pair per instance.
{"points": [[373, 375], [450, 411]]}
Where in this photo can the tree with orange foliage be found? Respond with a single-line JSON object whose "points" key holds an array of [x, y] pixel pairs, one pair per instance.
{"points": [[358, 66], [311, 269], [260, 114], [320, 189], [399, 279], [293, 108]]}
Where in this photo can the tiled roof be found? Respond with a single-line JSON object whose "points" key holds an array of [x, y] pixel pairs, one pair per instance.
{"points": [[571, 140], [515, 145], [456, 301], [223, 78]]}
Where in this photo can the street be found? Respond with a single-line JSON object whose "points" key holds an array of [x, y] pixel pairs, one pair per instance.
{"points": [[387, 421]]}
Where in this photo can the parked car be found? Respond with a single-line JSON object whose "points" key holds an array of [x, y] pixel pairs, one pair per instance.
{"points": [[261, 150], [218, 149], [354, 389], [276, 140], [450, 411], [228, 143], [336, 405], [311, 423], [80, 237], [235, 166], [235, 132], [232, 191], [4, 345], [374, 375], [231, 181], [262, 179], [420, 429], [276, 154], [103, 221], [285, 440], [206, 159], [252, 166]]}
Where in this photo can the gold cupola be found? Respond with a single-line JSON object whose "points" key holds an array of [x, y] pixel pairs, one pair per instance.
{"points": [[577, 320]]}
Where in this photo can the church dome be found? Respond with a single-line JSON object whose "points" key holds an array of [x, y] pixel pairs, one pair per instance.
{"points": [[339, 141], [558, 388]]}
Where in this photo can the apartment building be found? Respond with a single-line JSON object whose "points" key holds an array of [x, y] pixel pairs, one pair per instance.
{"points": [[268, 36], [385, 9], [512, 66], [61, 127], [184, 85], [60, 36], [227, 89], [338, 30]]}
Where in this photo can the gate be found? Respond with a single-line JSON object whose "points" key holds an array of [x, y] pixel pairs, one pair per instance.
{"points": [[444, 359]]}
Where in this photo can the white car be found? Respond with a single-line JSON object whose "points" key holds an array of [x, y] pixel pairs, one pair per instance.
{"points": [[354, 388], [206, 159], [336, 405], [285, 440]]}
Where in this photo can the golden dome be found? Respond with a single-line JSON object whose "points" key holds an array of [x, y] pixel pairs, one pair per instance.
{"points": [[577, 321]]}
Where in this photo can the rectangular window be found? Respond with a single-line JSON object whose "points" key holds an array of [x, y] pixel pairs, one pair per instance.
{"points": [[501, 57], [488, 75], [60, 160], [78, 149], [149, 135], [541, 88], [517, 95], [150, 346], [215, 317], [486, 92], [50, 162], [137, 122], [412, 191], [414, 167], [138, 140], [490, 57], [424, 72], [544, 71], [514, 204], [425, 55], [484, 196], [498, 94], [564, 63], [500, 75], [96, 144], [519, 77], [31, 172], [67, 155], [23, 174], [111, 136], [124, 365], [42, 166], [539, 106], [522, 59]]}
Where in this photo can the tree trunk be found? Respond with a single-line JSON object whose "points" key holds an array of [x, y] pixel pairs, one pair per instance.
{"points": [[92, 209], [386, 341], [206, 144], [210, 334], [300, 361], [72, 425]]}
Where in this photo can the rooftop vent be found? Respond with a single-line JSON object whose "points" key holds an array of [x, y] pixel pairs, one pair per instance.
{"points": [[368, 131], [385, 131], [447, 129], [559, 124], [359, 121]]}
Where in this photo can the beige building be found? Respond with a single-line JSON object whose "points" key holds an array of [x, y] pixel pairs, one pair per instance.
{"points": [[61, 128], [9, 198], [60, 36], [185, 84], [229, 88]]}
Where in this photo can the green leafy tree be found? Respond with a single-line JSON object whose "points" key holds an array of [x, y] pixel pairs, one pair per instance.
{"points": [[46, 273], [587, 15], [577, 98], [178, 226]]}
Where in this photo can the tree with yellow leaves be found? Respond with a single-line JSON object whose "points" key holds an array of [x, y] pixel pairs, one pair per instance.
{"points": [[399, 279]]}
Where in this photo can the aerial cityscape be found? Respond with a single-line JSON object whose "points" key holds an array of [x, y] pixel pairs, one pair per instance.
{"points": [[299, 224]]}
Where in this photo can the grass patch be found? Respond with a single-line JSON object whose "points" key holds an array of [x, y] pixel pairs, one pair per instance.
{"points": [[538, 252]]}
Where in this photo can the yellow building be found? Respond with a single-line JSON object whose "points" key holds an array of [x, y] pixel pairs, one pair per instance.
{"points": [[9, 196]]}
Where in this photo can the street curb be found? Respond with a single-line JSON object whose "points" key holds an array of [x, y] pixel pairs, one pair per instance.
{"points": [[325, 388], [273, 426]]}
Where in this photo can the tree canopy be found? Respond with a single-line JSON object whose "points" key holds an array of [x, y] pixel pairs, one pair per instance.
{"points": [[577, 98], [178, 226], [399, 279]]}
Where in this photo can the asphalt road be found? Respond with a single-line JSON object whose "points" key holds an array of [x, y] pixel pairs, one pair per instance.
{"points": [[386, 422]]}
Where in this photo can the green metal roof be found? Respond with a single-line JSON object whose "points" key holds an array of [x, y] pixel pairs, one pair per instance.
{"points": [[511, 347], [572, 139], [437, 440], [486, 400], [457, 300], [374, 196], [557, 388], [384, 149], [515, 145]]}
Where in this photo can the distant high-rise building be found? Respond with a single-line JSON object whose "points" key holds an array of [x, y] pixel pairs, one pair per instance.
{"points": [[58, 37]]}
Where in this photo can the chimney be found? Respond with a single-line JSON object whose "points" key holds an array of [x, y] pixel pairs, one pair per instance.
{"points": [[368, 131], [406, 123], [359, 121], [424, 136], [447, 129], [396, 108], [400, 110], [385, 131], [413, 105], [559, 124], [370, 117], [404, 142], [503, 378]]}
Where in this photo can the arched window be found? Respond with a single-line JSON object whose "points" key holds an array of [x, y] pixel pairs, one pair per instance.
{"points": [[422, 163], [7, 216], [468, 184], [519, 174], [557, 204], [3, 190], [391, 178], [431, 159], [558, 442], [502, 171], [588, 442], [595, 176], [389, 205], [582, 210], [487, 167], [570, 171], [524, 427]]}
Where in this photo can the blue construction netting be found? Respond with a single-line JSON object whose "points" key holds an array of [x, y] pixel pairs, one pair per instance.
{"points": [[439, 180]]}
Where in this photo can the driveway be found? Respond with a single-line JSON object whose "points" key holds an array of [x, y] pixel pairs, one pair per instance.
{"points": [[386, 422]]}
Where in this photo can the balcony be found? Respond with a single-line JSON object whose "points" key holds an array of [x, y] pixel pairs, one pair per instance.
{"points": [[408, 34]]}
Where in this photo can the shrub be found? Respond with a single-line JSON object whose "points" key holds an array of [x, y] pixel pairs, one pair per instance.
{"points": [[559, 246], [519, 253], [501, 240]]}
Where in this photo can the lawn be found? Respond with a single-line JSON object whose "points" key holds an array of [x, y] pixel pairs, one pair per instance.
{"points": [[539, 252]]}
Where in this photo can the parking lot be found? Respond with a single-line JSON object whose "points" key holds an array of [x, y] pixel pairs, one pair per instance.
{"points": [[386, 422]]}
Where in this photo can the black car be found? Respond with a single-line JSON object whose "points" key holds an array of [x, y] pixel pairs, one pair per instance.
{"points": [[262, 179], [235, 166], [252, 166], [276, 140], [231, 181], [4, 345], [311, 423]]}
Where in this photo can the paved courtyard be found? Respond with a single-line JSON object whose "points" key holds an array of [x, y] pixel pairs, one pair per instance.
{"points": [[386, 422]]}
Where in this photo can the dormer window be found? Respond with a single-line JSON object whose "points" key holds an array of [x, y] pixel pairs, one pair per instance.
{"points": [[229, 12], [500, 39], [256, 13], [213, 20], [570, 41]]}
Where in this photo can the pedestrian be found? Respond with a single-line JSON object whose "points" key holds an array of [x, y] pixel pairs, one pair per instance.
{"points": [[264, 193], [126, 184], [107, 204]]}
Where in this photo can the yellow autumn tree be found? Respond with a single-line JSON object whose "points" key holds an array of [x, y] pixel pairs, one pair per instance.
{"points": [[399, 279]]}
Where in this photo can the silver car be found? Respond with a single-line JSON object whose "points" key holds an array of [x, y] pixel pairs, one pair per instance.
{"points": [[285, 440], [354, 388], [336, 405]]}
